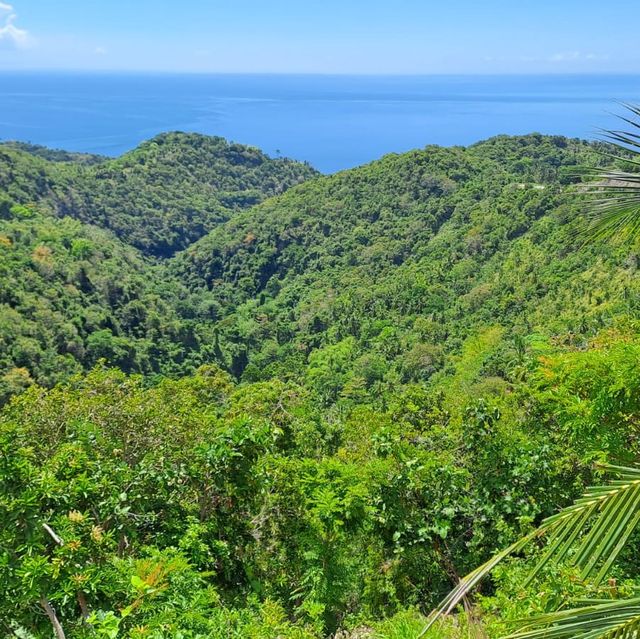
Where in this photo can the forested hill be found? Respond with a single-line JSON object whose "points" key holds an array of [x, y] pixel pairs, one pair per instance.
{"points": [[311, 421], [354, 282], [72, 294], [160, 197], [378, 275]]}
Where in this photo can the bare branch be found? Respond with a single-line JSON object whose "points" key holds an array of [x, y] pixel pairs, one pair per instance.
{"points": [[51, 613], [53, 535]]}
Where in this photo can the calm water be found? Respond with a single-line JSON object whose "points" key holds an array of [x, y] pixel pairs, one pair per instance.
{"points": [[334, 122]]}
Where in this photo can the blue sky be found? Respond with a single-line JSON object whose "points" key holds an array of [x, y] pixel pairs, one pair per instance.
{"points": [[322, 36]]}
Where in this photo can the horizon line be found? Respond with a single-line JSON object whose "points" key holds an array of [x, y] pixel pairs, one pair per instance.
{"points": [[79, 71]]}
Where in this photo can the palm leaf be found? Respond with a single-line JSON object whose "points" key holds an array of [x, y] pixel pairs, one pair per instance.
{"points": [[604, 518], [618, 619], [590, 533], [471, 580], [615, 194], [615, 207]]}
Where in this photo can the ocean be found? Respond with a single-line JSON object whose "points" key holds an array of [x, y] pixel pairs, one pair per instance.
{"points": [[333, 122]]}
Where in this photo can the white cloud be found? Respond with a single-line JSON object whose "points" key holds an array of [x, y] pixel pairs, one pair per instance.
{"points": [[576, 56], [100, 51], [9, 33], [596, 56], [565, 57]]}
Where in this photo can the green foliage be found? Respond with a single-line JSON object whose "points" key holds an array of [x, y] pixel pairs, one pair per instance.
{"points": [[590, 535], [160, 197], [378, 276], [253, 493], [71, 295], [321, 414]]}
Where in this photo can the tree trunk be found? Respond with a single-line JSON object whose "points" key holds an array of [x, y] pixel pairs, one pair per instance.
{"points": [[84, 606]]}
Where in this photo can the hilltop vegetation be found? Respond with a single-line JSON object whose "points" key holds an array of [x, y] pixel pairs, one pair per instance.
{"points": [[323, 411], [377, 276], [160, 197]]}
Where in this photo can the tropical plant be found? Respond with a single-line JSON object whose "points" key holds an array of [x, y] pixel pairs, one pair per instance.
{"points": [[589, 534], [616, 191]]}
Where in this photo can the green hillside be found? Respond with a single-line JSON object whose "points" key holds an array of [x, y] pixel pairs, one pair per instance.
{"points": [[378, 275], [323, 411], [72, 294], [160, 197]]}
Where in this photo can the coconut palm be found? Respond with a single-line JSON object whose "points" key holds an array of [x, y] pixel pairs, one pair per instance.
{"points": [[589, 535]]}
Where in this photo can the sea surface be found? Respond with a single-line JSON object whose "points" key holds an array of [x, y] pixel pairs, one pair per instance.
{"points": [[334, 122]]}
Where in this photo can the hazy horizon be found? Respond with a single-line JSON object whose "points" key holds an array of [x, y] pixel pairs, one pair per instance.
{"points": [[154, 72]]}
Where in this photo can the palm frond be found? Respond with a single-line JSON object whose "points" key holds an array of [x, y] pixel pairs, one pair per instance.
{"points": [[604, 518], [615, 194], [471, 580], [615, 207], [590, 534], [617, 619]]}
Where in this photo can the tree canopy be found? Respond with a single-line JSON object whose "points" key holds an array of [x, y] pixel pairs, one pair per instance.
{"points": [[242, 399]]}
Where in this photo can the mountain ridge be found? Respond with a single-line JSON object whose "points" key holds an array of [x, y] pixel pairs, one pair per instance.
{"points": [[421, 234], [159, 197]]}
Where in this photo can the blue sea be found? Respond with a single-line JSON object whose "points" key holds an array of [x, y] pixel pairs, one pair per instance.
{"points": [[334, 122]]}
